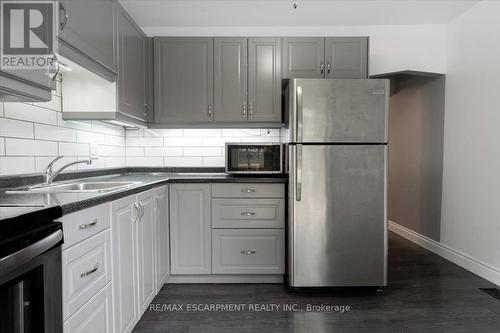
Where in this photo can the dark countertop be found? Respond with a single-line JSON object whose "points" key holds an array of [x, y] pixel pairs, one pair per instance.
{"points": [[36, 205]]}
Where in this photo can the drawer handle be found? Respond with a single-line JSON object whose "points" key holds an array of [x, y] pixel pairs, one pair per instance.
{"points": [[88, 225], [248, 214], [90, 271], [246, 252], [247, 190]]}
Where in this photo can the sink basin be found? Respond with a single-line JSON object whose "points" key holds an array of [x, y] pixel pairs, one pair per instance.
{"points": [[84, 187]]}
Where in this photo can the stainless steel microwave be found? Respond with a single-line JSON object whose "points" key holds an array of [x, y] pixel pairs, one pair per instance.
{"points": [[254, 158]]}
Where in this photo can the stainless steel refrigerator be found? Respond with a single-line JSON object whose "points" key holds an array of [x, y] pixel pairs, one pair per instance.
{"points": [[336, 134]]}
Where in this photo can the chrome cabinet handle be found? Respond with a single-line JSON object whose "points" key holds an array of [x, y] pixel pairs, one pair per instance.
{"points": [[244, 110], [247, 214], [298, 121], [137, 212], [64, 22], [322, 68], [210, 111], [90, 271], [250, 109], [246, 252], [141, 206], [328, 67], [88, 225], [247, 190], [298, 173]]}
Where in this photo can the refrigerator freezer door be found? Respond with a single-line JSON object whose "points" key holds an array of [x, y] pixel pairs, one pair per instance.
{"points": [[338, 110], [337, 213]]}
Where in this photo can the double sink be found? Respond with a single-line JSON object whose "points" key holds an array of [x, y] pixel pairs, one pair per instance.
{"points": [[76, 187]]}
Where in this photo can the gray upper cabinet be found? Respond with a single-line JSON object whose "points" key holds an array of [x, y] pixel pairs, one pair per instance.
{"points": [[346, 57], [264, 79], [230, 79], [131, 80], [26, 85], [303, 57], [183, 80], [87, 34]]}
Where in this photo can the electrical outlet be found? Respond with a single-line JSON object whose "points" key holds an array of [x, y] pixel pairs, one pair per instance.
{"points": [[94, 151]]}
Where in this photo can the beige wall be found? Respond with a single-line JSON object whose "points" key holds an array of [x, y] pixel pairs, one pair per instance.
{"points": [[416, 154]]}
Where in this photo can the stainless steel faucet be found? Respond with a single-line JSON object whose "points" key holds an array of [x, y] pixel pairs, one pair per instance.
{"points": [[51, 174]]}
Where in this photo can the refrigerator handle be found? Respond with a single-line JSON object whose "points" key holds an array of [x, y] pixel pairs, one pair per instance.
{"points": [[298, 121], [298, 173]]}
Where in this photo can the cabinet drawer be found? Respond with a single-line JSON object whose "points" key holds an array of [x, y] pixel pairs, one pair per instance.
{"points": [[248, 190], [248, 251], [94, 316], [248, 213], [84, 224], [85, 270]]}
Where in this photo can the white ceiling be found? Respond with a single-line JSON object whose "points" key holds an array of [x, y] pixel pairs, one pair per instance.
{"points": [[267, 13]]}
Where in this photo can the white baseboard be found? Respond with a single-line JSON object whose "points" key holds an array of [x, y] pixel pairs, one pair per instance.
{"points": [[459, 258], [225, 279]]}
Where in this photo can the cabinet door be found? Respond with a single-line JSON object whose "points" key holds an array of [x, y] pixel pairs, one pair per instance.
{"points": [[183, 80], [162, 237], [131, 67], [346, 57], [303, 57], [146, 249], [264, 79], [190, 229], [230, 79], [90, 29], [124, 263]]}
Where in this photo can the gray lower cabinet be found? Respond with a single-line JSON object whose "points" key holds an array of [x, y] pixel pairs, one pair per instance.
{"points": [[303, 57], [230, 79], [346, 57], [264, 79], [331, 57], [162, 234], [190, 229], [183, 80], [246, 251], [87, 34], [131, 79]]}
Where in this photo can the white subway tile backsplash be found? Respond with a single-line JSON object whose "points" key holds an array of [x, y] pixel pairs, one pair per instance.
{"points": [[144, 161], [240, 132], [144, 142], [89, 137], [214, 162], [134, 151], [219, 141], [114, 162], [16, 128], [203, 151], [49, 132], [183, 161], [29, 112], [17, 165], [182, 141], [2, 146], [111, 151], [74, 149], [190, 147], [27, 147], [202, 132], [113, 140]]}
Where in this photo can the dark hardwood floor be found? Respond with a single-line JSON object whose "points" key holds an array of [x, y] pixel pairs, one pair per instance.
{"points": [[425, 294]]}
